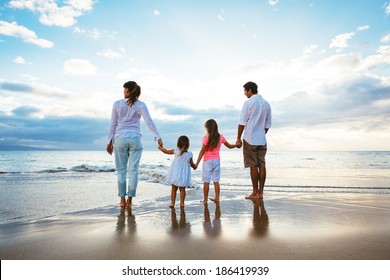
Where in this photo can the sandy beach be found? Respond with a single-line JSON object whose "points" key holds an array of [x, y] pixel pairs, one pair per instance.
{"points": [[284, 226]]}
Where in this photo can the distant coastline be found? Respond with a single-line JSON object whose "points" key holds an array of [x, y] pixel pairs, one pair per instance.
{"points": [[24, 148]]}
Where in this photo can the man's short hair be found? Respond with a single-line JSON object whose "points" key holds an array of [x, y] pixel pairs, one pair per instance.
{"points": [[251, 86]]}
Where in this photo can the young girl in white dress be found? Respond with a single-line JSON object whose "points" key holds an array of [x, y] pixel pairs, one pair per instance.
{"points": [[179, 174]]}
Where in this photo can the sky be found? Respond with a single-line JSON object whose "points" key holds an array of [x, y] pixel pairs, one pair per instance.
{"points": [[324, 67]]}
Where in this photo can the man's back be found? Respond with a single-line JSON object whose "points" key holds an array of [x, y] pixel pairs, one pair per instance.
{"points": [[256, 117]]}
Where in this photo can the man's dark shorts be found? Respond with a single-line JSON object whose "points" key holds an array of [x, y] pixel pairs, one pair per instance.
{"points": [[254, 156]]}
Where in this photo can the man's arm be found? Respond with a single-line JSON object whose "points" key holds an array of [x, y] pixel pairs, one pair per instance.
{"points": [[240, 130]]}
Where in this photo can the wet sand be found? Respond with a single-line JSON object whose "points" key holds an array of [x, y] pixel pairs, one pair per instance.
{"points": [[284, 226]]}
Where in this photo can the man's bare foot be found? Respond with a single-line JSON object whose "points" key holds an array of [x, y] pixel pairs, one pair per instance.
{"points": [[215, 200], [204, 201], [253, 196]]}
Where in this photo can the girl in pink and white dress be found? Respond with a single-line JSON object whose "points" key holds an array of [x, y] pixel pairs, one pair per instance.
{"points": [[179, 174], [211, 170]]}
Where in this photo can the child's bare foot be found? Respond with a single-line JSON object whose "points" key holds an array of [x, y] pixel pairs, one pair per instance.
{"points": [[129, 202], [123, 202], [216, 200]]}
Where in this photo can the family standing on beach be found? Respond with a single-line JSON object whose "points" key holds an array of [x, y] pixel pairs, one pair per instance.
{"points": [[124, 140]]}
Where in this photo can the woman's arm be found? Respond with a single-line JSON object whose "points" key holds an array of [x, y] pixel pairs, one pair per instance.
{"points": [[113, 124], [111, 133], [149, 122]]}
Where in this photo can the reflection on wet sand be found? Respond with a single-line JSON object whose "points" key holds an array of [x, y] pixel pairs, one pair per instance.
{"points": [[212, 229], [179, 228], [131, 222], [260, 219]]}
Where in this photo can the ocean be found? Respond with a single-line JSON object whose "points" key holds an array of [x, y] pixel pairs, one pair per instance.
{"points": [[39, 184]]}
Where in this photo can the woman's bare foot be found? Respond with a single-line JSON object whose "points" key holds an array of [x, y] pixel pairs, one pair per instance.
{"points": [[123, 202], [215, 200], [181, 205], [129, 202], [204, 201], [172, 205]]}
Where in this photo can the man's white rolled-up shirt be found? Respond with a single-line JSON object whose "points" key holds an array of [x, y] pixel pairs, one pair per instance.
{"points": [[256, 117], [126, 120]]}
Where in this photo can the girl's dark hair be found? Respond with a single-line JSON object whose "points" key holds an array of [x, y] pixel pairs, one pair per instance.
{"points": [[212, 129], [135, 92], [183, 143], [251, 86]]}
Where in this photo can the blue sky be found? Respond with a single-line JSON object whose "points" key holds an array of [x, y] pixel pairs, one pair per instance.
{"points": [[324, 66]]}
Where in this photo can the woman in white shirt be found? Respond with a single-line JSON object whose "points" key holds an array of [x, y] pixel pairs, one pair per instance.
{"points": [[125, 139]]}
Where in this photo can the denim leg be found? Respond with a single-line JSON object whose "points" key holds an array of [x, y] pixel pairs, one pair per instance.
{"points": [[134, 158], [121, 150]]}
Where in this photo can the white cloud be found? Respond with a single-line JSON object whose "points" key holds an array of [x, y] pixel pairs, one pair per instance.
{"points": [[93, 33], [29, 77], [341, 41], [387, 8], [79, 67], [220, 16], [53, 14], [19, 60], [385, 39], [382, 57], [79, 30], [19, 31], [309, 49], [110, 54], [363, 27], [156, 12], [82, 5], [273, 2]]}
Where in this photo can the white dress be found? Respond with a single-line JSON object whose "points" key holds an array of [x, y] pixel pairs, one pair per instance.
{"points": [[179, 173]]}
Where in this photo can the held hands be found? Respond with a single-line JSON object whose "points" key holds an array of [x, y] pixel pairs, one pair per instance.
{"points": [[238, 143], [160, 144]]}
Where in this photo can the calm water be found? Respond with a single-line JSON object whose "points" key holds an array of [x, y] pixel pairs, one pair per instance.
{"points": [[36, 184]]}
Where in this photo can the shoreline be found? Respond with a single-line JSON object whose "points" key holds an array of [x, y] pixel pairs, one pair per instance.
{"points": [[284, 226]]}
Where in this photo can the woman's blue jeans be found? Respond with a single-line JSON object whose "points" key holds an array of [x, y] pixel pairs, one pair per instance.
{"points": [[128, 151]]}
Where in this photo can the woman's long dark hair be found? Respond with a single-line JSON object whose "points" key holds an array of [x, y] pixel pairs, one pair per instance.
{"points": [[135, 92], [212, 129]]}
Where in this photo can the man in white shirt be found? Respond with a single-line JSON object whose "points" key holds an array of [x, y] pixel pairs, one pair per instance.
{"points": [[255, 121]]}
